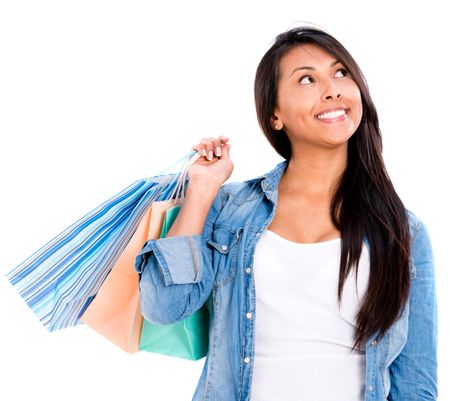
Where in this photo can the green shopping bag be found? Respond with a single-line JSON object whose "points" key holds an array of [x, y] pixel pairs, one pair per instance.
{"points": [[188, 338]]}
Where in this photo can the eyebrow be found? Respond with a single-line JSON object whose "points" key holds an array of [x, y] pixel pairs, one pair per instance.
{"points": [[312, 68]]}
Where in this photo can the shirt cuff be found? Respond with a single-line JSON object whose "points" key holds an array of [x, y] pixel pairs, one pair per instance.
{"points": [[178, 258]]}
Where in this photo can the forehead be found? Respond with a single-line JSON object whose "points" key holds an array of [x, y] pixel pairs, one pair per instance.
{"points": [[305, 55]]}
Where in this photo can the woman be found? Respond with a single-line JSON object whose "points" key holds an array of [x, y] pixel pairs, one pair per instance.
{"points": [[322, 282]]}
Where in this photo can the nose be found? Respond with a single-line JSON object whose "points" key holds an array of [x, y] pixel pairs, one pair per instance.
{"points": [[335, 95], [331, 92]]}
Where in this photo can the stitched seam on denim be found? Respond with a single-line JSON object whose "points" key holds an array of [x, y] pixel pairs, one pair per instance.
{"points": [[211, 357], [218, 246], [389, 362], [234, 252], [238, 201], [413, 260], [386, 350], [196, 260], [159, 256], [211, 225]]}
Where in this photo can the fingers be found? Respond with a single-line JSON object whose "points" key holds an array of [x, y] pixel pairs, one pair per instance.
{"points": [[210, 147]]}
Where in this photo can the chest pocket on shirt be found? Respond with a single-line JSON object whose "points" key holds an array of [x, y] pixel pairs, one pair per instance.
{"points": [[224, 243]]}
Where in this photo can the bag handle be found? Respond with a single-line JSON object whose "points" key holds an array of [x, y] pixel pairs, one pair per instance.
{"points": [[180, 189], [178, 193], [186, 156]]}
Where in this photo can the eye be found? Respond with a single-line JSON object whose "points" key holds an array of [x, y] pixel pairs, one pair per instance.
{"points": [[342, 70], [304, 76]]}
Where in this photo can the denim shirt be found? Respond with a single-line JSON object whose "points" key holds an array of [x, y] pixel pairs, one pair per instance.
{"points": [[178, 274]]}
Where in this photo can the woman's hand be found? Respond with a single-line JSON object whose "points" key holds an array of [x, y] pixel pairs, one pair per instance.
{"points": [[214, 166]]}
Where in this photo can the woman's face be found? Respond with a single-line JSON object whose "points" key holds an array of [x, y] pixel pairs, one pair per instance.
{"points": [[312, 82]]}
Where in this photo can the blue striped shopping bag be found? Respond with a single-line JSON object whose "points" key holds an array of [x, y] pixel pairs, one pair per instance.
{"points": [[59, 280]]}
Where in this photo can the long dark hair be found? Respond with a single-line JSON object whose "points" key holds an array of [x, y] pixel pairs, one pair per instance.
{"points": [[364, 202]]}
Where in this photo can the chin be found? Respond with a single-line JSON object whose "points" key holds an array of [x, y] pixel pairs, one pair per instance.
{"points": [[337, 141]]}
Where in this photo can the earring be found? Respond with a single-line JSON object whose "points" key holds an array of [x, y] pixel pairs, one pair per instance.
{"points": [[276, 126]]}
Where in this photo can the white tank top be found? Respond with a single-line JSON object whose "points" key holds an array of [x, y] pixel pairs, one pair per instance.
{"points": [[303, 340]]}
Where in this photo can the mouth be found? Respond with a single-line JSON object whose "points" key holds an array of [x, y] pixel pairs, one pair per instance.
{"points": [[333, 116]]}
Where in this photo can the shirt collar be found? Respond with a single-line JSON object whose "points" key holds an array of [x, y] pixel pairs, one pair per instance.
{"points": [[273, 177], [270, 180]]}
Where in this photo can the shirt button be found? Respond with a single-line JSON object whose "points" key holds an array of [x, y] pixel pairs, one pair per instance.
{"points": [[246, 359], [370, 388], [248, 315], [224, 247], [248, 270], [258, 234], [374, 343]]}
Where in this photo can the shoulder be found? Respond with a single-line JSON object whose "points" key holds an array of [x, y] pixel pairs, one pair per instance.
{"points": [[416, 225], [239, 192], [248, 190], [414, 221], [234, 188], [421, 248], [230, 197]]}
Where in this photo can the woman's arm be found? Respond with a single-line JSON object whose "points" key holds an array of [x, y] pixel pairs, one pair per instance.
{"points": [[414, 372], [192, 216], [176, 273]]}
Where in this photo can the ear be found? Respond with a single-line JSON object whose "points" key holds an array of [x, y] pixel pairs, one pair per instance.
{"points": [[276, 122]]}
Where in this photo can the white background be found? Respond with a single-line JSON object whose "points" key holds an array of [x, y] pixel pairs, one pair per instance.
{"points": [[96, 94]]}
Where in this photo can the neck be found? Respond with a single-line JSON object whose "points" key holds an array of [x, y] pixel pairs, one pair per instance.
{"points": [[314, 174]]}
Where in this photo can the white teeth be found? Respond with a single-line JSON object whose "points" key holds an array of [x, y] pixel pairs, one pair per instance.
{"points": [[332, 114]]}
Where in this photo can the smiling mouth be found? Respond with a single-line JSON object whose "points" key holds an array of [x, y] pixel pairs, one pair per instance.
{"points": [[333, 116]]}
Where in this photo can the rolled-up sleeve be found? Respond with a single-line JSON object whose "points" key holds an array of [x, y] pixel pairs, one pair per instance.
{"points": [[176, 275], [179, 258]]}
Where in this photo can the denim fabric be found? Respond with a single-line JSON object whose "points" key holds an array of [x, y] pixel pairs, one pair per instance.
{"points": [[178, 274]]}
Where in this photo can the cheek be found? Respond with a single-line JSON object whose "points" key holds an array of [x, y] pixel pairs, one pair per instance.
{"points": [[360, 113], [297, 110], [357, 105]]}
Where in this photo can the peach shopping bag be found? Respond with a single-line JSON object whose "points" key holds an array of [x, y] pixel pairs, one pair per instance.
{"points": [[115, 310]]}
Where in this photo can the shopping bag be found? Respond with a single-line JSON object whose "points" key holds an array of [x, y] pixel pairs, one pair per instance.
{"points": [[59, 281], [115, 310], [188, 338]]}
